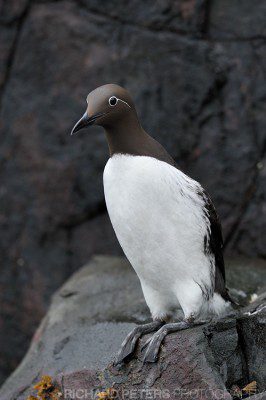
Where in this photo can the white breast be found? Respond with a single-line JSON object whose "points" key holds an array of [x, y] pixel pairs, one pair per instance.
{"points": [[159, 221]]}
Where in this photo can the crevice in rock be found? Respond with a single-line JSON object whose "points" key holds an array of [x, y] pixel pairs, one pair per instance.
{"points": [[213, 93], [11, 57], [206, 20], [162, 29], [241, 342]]}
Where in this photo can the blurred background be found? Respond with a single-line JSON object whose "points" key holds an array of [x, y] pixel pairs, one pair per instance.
{"points": [[196, 70]]}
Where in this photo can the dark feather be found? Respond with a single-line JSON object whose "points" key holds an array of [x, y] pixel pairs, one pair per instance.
{"points": [[213, 244]]}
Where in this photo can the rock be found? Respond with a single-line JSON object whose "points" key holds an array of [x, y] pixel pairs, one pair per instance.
{"points": [[201, 63], [181, 16], [12, 11], [226, 22], [245, 277], [90, 316], [6, 43]]}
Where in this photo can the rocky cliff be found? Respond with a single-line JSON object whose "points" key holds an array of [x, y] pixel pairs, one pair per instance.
{"points": [[196, 69]]}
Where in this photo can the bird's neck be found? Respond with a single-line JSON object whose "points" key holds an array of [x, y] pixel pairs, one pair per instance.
{"points": [[125, 136], [128, 137]]}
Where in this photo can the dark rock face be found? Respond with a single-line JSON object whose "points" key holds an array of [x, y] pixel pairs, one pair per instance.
{"points": [[196, 70], [90, 316]]}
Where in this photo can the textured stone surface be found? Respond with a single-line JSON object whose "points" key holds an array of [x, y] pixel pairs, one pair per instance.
{"points": [[226, 21], [196, 69], [90, 316]]}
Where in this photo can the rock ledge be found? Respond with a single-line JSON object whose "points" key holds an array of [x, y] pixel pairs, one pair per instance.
{"points": [[91, 314]]}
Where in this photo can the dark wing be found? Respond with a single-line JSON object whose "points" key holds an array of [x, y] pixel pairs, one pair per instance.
{"points": [[213, 244]]}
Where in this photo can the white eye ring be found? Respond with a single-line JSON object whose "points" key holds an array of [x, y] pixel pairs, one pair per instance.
{"points": [[113, 101]]}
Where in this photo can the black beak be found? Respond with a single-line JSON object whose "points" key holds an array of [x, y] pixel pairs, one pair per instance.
{"points": [[85, 121]]}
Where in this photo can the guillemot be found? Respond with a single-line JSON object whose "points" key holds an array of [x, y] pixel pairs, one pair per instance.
{"points": [[164, 220]]}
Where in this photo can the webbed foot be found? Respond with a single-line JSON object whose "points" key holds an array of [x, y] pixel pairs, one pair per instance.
{"points": [[129, 344], [153, 344]]}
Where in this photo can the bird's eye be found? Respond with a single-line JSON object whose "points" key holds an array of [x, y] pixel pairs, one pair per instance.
{"points": [[113, 101]]}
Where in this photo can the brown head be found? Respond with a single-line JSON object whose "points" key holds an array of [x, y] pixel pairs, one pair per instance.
{"points": [[107, 106], [112, 107]]}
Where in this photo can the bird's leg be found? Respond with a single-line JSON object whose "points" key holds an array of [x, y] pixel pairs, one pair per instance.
{"points": [[155, 341], [129, 344]]}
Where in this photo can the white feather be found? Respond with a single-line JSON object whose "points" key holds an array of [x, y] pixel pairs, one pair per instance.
{"points": [[160, 223]]}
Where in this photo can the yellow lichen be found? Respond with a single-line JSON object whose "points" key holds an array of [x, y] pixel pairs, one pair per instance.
{"points": [[109, 394], [248, 390], [44, 385], [46, 390], [251, 388]]}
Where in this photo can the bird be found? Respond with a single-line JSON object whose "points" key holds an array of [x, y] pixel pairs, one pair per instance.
{"points": [[164, 221]]}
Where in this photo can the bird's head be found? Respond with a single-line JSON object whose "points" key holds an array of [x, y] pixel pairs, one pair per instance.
{"points": [[106, 105]]}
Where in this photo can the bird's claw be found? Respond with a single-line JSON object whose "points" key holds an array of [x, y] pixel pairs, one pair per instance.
{"points": [[153, 343], [156, 340], [129, 344], [127, 347]]}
